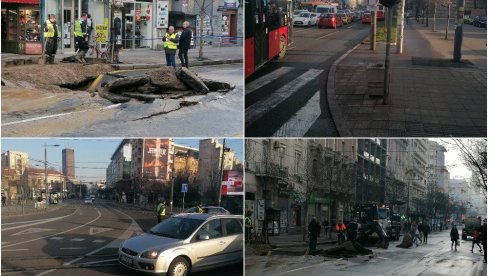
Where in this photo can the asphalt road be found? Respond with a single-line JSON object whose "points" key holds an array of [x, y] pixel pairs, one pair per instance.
{"points": [[33, 113], [283, 97], [77, 239], [433, 258]]}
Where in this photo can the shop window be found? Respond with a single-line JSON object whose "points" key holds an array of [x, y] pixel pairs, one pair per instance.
{"points": [[12, 24], [30, 29]]}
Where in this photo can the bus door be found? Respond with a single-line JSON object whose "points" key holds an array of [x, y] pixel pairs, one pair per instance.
{"points": [[260, 33]]}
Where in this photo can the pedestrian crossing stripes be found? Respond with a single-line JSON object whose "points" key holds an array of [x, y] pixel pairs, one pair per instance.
{"points": [[76, 239], [259, 109], [301, 122], [268, 78]]}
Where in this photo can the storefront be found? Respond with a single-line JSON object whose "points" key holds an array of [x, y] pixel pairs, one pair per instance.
{"points": [[138, 31], [21, 27]]}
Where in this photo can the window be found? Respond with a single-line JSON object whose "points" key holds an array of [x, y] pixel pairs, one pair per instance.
{"points": [[232, 226], [298, 157], [212, 228]]}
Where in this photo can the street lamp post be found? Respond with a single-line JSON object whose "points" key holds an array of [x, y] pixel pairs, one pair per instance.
{"points": [[45, 172]]}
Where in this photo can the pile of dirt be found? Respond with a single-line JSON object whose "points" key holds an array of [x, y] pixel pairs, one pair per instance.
{"points": [[259, 249], [348, 249], [159, 84], [407, 241]]}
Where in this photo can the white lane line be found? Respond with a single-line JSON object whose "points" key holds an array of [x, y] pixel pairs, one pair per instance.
{"points": [[32, 231], [56, 234], [262, 81], [27, 221], [301, 122], [98, 241], [72, 248], [349, 27], [45, 272], [57, 238], [257, 110], [36, 222], [297, 269], [77, 239], [12, 250], [57, 115], [326, 35], [5, 243], [97, 262]]}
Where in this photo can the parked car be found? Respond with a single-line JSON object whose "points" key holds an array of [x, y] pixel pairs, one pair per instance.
{"points": [[366, 18], [298, 12], [209, 210], [305, 19], [331, 20], [88, 200], [468, 19], [479, 21], [344, 16], [185, 243]]}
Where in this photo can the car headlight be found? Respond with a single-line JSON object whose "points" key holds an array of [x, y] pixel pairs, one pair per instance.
{"points": [[151, 254]]}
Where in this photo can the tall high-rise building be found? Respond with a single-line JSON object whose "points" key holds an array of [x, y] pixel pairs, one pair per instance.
{"points": [[69, 163]]}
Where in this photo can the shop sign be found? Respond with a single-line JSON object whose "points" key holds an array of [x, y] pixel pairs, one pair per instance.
{"points": [[314, 199], [231, 4], [102, 31], [33, 48], [261, 209], [162, 15]]}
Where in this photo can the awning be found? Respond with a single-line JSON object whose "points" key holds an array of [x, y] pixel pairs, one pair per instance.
{"points": [[30, 2]]}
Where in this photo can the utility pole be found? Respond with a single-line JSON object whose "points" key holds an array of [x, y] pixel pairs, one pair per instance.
{"points": [[221, 173], [387, 57], [172, 182], [372, 39], [448, 17], [458, 34], [401, 25]]}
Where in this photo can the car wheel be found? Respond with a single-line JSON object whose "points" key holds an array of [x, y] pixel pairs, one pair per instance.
{"points": [[179, 267]]}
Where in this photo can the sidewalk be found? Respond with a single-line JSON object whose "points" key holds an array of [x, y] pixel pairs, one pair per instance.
{"points": [[138, 57], [426, 100]]}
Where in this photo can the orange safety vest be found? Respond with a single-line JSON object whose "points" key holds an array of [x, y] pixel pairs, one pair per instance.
{"points": [[341, 228]]}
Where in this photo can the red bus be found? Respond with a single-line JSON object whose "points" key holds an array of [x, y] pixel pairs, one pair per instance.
{"points": [[380, 14], [266, 32]]}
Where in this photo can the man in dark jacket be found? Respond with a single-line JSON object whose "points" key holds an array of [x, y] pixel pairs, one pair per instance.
{"points": [[483, 238], [313, 233], [454, 237], [425, 231], [184, 44]]}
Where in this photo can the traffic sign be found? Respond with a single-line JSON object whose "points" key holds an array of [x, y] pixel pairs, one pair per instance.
{"points": [[184, 188]]}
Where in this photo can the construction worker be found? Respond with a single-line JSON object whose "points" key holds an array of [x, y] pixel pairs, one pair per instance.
{"points": [[170, 45], [199, 208], [340, 229], [160, 211], [51, 34], [81, 38], [248, 224]]}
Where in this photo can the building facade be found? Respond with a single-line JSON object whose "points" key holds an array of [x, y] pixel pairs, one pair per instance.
{"points": [[68, 159]]}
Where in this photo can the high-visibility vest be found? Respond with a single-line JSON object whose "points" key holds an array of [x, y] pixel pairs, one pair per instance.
{"points": [[200, 210], [78, 31], [170, 44], [161, 209], [248, 222], [50, 30]]}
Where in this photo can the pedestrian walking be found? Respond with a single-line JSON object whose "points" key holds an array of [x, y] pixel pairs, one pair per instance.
{"points": [[454, 237], [476, 238], [426, 231], [184, 44], [51, 33], [170, 45], [326, 227], [313, 233], [248, 224], [160, 211], [352, 231], [483, 238], [81, 36]]}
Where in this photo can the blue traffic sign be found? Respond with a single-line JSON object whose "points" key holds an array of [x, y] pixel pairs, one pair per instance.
{"points": [[184, 188]]}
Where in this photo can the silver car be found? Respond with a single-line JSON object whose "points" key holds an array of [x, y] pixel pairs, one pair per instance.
{"points": [[184, 243], [215, 210]]}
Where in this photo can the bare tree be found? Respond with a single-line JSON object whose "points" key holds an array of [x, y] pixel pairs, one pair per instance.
{"points": [[203, 6], [473, 155]]}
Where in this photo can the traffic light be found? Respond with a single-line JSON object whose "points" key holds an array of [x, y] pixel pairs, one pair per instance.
{"points": [[389, 3]]}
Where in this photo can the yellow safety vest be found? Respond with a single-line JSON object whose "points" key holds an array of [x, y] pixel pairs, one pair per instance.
{"points": [[170, 44], [50, 30], [78, 31], [161, 209]]}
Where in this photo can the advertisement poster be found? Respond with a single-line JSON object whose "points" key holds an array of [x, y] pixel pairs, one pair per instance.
{"points": [[102, 33], [155, 159], [232, 183], [162, 15]]}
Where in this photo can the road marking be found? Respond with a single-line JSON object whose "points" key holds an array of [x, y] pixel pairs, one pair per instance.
{"points": [[56, 238], [35, 222], [97, 230], [326, 35], [56, 234], [297, 269], [4, 243], [71, 248], [77, 239], [58, 115], [349, 27], [301, 122], [97, 262], [383, 258], [12, 250], [45, 272], [32, 231], [262, 81], [257, 110], [98, 241]]}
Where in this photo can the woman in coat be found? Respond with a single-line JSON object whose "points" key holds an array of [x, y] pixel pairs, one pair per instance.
{"points": [[454, 237]]}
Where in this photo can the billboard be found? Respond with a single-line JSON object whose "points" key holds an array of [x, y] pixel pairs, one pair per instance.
{"points": [[156, 155], [232, 183]]}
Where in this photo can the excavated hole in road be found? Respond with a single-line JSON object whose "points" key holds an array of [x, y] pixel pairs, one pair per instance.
{"points": [[79, 86]]}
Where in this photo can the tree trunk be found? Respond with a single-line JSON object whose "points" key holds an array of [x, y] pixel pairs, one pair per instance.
{"points": [[448, 18], [202, 14], [435, 10]]}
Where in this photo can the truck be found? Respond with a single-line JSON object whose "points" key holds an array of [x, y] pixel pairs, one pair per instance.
{"points": [[370, 228], [470, 224], [396, 226]]}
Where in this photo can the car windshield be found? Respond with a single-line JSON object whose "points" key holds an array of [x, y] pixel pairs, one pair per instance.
{"points": [[305, 14], [176, 228], [326, 15]]}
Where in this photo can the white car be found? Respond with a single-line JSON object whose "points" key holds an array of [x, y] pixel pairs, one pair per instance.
{"points": [[305, 19], [184, 243], [88, 200]]}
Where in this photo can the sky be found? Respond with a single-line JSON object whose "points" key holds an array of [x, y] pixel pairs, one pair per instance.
{"points": [[453, 160], [92, 156]]}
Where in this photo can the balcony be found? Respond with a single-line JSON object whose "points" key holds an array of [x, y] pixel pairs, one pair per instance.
{"points": [[270, 169]]}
